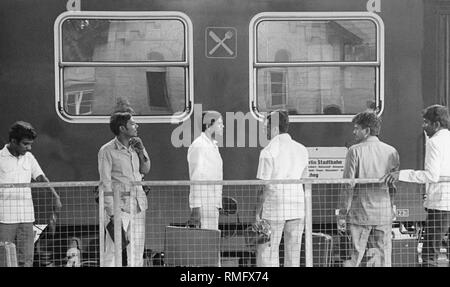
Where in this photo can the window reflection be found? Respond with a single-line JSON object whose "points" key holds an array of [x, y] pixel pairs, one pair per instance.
{"points": [[293, 69], [146, 90], [86, 40], [316, 90], [317, 40], [100, 74]]}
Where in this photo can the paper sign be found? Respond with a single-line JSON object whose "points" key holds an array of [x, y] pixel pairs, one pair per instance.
{"points": [[326, 162]]}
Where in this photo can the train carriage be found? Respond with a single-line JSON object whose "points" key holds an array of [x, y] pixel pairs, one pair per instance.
{"points": [[322, 60]]}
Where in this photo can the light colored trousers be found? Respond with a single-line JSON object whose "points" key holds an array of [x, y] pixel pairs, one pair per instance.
{"points": [[379, 238], [209, 217], [268, 253], [136, 238], [22, 235]]}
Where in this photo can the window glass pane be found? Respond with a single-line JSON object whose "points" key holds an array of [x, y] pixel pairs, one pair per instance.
{"points": [[318, 90], [86, 40], [277, 89], [102, 90], [277, 77], [79, 102], [305, 41], [277, 100]]}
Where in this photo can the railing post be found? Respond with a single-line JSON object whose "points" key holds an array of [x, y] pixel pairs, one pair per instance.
{"points": [[117, 226], [133, 205], [308, 226], [101, 225]]}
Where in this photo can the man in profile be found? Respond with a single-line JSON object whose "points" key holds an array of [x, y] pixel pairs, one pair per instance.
{"points": [[366, 209], [121, 161], [205, 163], [18, 165], [437, 197]]}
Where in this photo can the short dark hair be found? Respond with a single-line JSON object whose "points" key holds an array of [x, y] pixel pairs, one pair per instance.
{"points": [[437, 113], [21, 130], [209, 118], [118, 119], [369, 120], [283, 120]]}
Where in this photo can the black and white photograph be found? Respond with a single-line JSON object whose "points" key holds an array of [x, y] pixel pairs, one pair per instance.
{"points": [[220, 142]]}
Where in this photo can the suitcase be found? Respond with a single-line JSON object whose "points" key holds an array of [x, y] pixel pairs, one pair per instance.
{"points": [[405, 245], [191, 246], [404, 252], [8, 256], [322, 250], [342, 247]]}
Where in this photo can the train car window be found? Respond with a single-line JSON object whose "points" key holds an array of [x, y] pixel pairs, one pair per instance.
{"points": [[131, 61], [321, 67], [278, 87]]}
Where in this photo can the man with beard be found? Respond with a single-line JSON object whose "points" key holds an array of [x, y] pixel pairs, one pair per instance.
{"points": [[437, 197]]}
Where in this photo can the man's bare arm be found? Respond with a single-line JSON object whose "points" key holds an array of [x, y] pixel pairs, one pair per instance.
{"points": [[43, 178]]}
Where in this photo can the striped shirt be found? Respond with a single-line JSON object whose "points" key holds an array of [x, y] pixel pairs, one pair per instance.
{"points": [[16, 204]]}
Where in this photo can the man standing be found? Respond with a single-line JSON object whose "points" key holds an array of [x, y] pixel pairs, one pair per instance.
{"points": [[282, 205], [121, 161], [437, 197], [367, 208], [205, 163], [18, 165]]}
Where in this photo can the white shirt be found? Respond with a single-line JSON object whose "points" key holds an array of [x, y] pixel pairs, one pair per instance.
{"points": [[437, 164], [16, 204], [283, 158], [205, 163]]}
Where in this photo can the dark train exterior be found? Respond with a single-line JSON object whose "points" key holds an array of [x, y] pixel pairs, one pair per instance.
{"points": [[416, 67]]}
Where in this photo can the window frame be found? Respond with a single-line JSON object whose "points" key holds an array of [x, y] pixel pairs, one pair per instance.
{"points": [[187, 64], [284, 85], [442, 11], [78, 105], [254, 64]]}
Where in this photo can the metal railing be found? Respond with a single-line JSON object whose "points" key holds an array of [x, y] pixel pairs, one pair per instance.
{"points": [[84, 220]]}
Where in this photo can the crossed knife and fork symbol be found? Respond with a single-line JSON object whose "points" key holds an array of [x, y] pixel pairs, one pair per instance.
{"points": [[221, 42]]}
